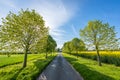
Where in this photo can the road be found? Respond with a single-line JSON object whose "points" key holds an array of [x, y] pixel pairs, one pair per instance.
{"points": [[59, 69]]}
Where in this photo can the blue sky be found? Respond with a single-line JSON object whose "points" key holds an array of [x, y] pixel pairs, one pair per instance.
{"points": [[66, 17]]}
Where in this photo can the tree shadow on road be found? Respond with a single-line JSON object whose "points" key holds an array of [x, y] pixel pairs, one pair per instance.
{"points": [[87, 72]]}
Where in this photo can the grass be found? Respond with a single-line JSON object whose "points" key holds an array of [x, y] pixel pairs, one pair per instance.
{"points": [[90, 70], [14, 59], [34, 67], [110, 57]]}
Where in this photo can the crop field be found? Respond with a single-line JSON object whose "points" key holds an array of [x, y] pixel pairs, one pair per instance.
{"points": [[89, 69], [11, 67], [110, 57], [102, 52]]}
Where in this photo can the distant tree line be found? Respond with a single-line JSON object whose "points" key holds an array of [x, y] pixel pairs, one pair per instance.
{"points": [[74, 46]]}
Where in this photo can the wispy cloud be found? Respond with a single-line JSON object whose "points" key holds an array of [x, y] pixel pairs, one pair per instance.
{"points": [[55, 13], [74, 30]]}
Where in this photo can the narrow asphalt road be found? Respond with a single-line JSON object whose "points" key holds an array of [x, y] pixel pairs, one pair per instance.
{"points": [[59, 69]]}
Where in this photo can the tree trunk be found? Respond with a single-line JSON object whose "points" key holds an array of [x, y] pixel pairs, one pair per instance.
{"points": [[70, 52], [46, 55], [51, 53], [8, 54], [77, 53], [98, 56], [25, 58]]}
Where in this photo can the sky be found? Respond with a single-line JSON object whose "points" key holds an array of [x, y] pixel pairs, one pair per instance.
{"points": [[65, 18]]}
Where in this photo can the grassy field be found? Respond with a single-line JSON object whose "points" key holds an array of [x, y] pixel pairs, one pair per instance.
{"points": [[110, 57], [14, 59], [35, 65], [90, 70]]}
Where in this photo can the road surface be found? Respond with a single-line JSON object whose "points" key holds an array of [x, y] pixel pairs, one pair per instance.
{"points": [[59, 69]]}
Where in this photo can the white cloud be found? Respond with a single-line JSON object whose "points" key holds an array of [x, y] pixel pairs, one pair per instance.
{"points": [[57, 32], [74, 30], [55, 13]]}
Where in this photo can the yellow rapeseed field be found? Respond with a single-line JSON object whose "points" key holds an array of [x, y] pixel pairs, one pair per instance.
{"points": [[111, 57], [101, 52]]}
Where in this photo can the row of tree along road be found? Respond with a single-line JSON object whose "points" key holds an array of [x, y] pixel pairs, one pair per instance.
{"points": [[25, 31], [96, 35]]}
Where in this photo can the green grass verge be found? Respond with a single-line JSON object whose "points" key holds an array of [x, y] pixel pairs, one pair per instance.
{"points": [[33, 69], [14, 59], [90, 70]]}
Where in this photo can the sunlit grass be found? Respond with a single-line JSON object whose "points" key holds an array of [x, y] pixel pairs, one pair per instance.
{"points": [[90, 70], [14, 59], [34, 68]]}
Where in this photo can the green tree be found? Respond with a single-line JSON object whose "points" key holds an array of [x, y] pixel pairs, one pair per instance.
{"points": [[100, 35], [23, 30], [58, 49], [0, 39], [66, 47], [47, 44], [50, 45], [77, 45]]}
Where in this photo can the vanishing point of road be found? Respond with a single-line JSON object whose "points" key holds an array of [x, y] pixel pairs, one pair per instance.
{"points": [[59, 69]]}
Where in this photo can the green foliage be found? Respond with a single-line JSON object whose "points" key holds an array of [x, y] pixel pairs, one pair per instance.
{"points": [[46, 44], [35, 66], [77, 45], [99, 35], [67, 47], [50, 44], [22, 31], [74, 45], [90, 71]]}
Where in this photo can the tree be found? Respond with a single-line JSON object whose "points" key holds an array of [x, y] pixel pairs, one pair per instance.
{"points": [[23, 30], [77, 45], [100, 35], [74, 45], [66, 47], [0, 40], [58, 50], [50, 45], [47, 44]]}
